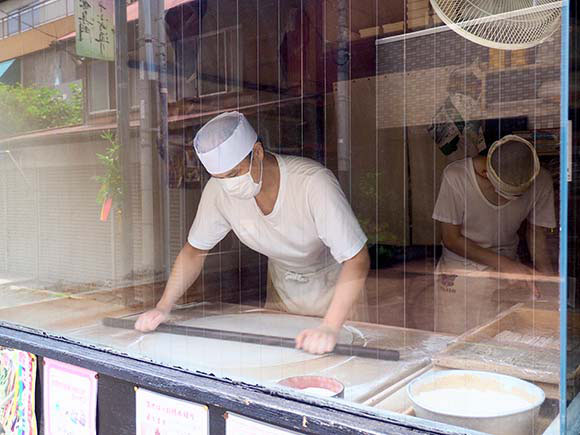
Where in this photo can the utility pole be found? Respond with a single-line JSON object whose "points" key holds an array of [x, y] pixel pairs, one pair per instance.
{"points": [[343, 97], [124, 137], [164, 137], [148, 135]]}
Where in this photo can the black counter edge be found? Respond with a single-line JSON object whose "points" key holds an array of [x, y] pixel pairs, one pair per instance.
{"points": [[274, 407]]}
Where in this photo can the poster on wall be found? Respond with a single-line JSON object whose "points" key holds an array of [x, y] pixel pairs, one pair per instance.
{"points": [[95, 29], [17, 396], [239, 425], [192, 168], [163, 415], [184, 168], [70, 399]]}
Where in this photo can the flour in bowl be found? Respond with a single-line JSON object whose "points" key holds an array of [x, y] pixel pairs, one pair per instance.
{"points": [[315, 391], [470, 403]]}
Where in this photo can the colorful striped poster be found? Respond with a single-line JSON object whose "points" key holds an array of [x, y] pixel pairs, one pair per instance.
{"points": [[17, 395]]}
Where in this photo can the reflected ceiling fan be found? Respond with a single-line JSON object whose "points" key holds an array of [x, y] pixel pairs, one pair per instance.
{"points": [[502, 24]]}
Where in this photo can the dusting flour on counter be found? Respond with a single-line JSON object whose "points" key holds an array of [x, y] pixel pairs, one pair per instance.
{"points": [[470, 403], [323, 392]]}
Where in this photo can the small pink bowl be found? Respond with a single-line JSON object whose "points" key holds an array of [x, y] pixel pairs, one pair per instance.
{"points": [[302, 382]]}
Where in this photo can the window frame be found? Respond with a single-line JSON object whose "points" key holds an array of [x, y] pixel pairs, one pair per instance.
{"points": [[109, 86], [14, 17], [283, 408], [233, 77]]}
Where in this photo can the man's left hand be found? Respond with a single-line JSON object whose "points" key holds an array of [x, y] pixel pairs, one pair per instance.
{"points": [[318, 341]]}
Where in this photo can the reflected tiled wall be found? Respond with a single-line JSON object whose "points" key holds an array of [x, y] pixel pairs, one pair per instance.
{"points": [[413, 76]]}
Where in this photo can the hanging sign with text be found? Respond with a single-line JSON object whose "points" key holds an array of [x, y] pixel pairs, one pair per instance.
{"points": [[95, 29]]}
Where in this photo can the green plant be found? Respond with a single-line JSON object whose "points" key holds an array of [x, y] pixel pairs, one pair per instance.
{"points": [[76, 104], [36, 108], [371, 200], [111, 181]]}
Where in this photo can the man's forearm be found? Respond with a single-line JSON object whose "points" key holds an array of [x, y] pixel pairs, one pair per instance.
{"points": [[507, 268], [472, 251], [538, 247], [185, 271], [348, 288]]}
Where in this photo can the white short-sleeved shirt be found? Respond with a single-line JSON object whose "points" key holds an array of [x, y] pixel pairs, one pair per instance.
{"points": [[461, 202], [311, 225]]}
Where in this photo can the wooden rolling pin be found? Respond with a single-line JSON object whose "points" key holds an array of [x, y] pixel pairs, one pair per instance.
{"points": [[243, 337]]}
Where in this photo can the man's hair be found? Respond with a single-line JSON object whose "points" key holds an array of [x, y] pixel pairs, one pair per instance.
{"points": [[513, 162]]}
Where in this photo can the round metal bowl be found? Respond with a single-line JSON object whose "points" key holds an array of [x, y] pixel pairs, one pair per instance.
{"points": [[305, 382], [509, 420]]}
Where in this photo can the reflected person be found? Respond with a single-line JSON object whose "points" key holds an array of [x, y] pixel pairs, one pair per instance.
{"points": [[290, 209], [482, 204]]}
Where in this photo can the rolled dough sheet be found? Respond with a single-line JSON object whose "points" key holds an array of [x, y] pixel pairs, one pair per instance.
{"points": [[280, 325], [266, 365], [208, 354]]}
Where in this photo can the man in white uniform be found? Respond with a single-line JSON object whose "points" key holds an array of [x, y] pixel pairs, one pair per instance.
{"points": [[481, 205], [290, 209]]}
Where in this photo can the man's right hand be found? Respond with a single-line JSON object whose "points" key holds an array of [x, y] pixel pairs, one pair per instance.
{"points": [[186, 269], [150, 320]]}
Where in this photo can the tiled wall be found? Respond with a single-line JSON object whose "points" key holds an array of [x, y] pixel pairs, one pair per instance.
{"points": [[413, 79]]}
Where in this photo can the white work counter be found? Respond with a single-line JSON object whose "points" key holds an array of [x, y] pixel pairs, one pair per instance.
{"points": [[260, 364]]}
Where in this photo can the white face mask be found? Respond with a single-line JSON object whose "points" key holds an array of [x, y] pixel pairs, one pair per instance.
{"points": [[243, 186]]}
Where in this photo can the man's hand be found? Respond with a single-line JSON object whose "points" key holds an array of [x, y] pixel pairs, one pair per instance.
{"points": [[150, 320], [318, 340]]}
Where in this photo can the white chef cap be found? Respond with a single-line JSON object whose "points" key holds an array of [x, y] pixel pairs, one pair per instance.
{"points": [[512, 165], [224, 141]]}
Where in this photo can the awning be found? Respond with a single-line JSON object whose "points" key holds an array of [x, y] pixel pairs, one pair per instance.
{"points": [[4, 66], [133, 13]]}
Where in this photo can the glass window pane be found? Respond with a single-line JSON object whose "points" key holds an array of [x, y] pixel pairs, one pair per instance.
{"points": [[99, 86], [26, 20], [53, 10], [39, 15], [13, 24], [134, 82], [212, 52], [387, 197]]}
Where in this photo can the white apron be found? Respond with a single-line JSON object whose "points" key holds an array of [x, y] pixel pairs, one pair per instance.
{"points": [[464, 300], [307, 294]]}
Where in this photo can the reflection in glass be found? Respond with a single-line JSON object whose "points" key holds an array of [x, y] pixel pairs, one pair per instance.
{"points": [[349, 193]]}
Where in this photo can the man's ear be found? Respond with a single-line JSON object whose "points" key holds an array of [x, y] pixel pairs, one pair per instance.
{"points": [[481, 171], [259, 149]]}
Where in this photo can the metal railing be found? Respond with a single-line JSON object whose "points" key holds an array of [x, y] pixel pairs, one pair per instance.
{"points": [[34, 15]]}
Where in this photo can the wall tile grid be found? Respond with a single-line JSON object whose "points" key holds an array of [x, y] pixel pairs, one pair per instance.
{"points": [[413, 78]]}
